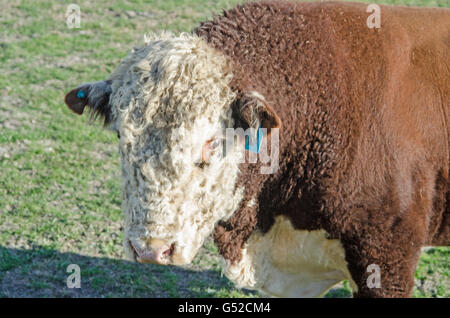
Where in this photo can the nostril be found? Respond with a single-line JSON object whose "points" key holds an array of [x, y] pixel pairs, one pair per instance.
{"points": [[169, 251], [133, 248], [158, 252]]}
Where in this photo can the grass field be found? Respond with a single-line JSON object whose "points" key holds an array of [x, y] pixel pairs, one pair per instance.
{"points": [[60, 190]]}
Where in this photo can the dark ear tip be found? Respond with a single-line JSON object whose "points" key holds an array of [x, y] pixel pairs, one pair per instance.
{"points": [[272, 119], [75, 103]]}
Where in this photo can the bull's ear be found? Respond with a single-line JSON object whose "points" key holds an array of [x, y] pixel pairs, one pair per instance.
{"points": [[95, 96], [252, 111]]}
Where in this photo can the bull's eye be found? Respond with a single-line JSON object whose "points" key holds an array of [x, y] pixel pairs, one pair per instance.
{"points": [[209, 148]]}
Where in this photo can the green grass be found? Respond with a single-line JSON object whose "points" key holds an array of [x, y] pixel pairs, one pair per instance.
{"points": [[59, 175]]}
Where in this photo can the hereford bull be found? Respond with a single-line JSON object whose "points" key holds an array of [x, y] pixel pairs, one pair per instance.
{"points": [[360, 119]]}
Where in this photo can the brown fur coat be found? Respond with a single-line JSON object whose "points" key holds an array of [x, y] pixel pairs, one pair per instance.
{"points": [[364, 150]]}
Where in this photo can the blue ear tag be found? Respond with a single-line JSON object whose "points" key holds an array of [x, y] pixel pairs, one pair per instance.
{"points": [[81, 94], [255, 146]]}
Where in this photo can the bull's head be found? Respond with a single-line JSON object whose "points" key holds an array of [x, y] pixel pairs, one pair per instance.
{"points": [[170, 101]]}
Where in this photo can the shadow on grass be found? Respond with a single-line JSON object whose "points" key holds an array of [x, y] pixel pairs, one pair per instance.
{"points": [[42, 272]]}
